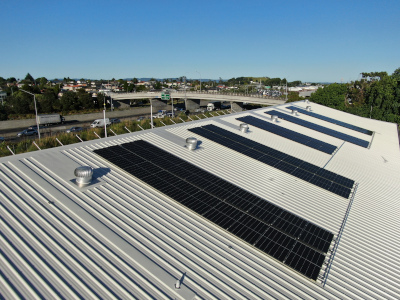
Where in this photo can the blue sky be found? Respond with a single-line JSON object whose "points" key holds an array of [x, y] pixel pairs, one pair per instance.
{"points": [[318, 41]]}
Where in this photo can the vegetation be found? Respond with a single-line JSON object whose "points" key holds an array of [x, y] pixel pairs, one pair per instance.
{"points": [[376, 96], [27, 145]]}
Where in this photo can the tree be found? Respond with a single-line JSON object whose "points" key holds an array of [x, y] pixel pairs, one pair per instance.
{"points": [[68, 101], [157, 85], [29, 77], [293, 96], [396, 74], [42, 82], [22, 102], [85, 99], [333, 95], [47, 101], [3, 112], [11, 80], [101, 99]]}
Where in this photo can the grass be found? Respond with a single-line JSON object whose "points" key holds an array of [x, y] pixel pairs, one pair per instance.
{"points": [[50, 141]]}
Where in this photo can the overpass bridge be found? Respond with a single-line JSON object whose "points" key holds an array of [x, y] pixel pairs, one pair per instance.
{"points": [[196, 99]]}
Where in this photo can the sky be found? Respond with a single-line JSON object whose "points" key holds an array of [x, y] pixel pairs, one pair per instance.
{"points": [[311, 41]]}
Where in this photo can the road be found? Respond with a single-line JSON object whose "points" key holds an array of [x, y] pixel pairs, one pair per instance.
{"points": [[10, 134]]}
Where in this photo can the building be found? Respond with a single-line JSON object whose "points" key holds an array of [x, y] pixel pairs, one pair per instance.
{"points": [[122, 236]]}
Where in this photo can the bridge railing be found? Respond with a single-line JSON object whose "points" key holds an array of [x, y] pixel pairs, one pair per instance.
{"points": [[225, 93]]}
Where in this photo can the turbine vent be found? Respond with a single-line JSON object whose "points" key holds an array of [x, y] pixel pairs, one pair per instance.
{"points": [[83, 175], [244, 127], [191, 143]]}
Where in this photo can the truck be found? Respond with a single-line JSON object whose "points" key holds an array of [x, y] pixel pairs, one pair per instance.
{"points": [[100, 123], [216, 105], [50, 119]]}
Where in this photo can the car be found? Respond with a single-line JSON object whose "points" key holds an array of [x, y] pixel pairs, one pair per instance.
{"points": [[2, 139], [35, 127], [141, 118], [74, 129], [115, 121], [27, 132]]}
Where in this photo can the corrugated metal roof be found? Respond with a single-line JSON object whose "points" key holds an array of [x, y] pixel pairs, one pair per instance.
{"points": [[120, 238]]}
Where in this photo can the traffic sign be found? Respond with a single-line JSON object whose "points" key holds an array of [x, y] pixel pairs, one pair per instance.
{"points": [[165, 96]]}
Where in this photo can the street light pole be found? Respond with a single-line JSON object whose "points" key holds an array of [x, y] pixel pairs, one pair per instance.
{"points": [[200, 80], [185, 94], [37, 120]]}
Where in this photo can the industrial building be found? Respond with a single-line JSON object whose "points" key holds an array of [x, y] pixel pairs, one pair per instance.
{"points": [[289, 201]]}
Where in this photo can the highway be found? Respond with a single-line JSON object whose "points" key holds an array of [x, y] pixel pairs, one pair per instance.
{"points": [[248, 98]]}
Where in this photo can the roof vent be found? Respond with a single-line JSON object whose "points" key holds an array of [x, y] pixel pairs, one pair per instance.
{"points": [[244, 127], [274, 118], [191, 143], [178, 284], [307, 101], [295, 112], [83, 175], [308, 108]]}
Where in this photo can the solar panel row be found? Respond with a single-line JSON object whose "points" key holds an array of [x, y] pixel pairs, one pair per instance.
{"points": [[313, 174], [330, 120], [319, 128], [289, 134], [279, 233]]}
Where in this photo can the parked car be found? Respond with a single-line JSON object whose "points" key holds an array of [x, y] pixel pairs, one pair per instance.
{"points": [[115, 121], [74, 129], [27, 132], [141, 118]]}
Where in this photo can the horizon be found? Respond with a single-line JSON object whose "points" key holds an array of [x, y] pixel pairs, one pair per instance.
{"points": [[313, 41]]}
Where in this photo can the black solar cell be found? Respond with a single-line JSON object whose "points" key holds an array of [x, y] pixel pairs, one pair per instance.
{"points": [[254, 220], [331, 120], [328, 131], [289, 134], [325, 179]]}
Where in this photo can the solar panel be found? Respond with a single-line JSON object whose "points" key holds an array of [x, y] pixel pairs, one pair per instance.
{"points": [[271, 229], [330, 120], [319, 128], [325, 179], [289, 134]]}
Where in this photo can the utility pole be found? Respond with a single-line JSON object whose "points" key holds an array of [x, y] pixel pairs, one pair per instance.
{"points": [[184, 77], [286, 90]]}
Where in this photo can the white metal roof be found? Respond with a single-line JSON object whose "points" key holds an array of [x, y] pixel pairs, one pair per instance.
{"points": [[120, 238]]}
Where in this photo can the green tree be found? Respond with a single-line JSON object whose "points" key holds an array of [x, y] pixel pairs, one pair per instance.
{"points": [[69, 101], [47, 101], [3, 112], [21, 102], [85, 99], [101, 100], [29, 77], [42, 82], [333, 95], [396, 74], [293, 96]]}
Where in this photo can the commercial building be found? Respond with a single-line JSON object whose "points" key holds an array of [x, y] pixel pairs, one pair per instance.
{"points": [[303, 202]]}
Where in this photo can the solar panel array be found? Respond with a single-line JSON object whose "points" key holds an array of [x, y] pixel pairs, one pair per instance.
{"points": [[319, 128], [289, 134], [284, 236], [330, 120], [299, 168]]}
